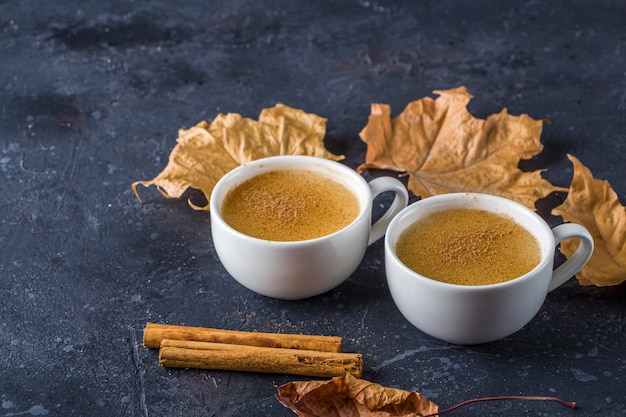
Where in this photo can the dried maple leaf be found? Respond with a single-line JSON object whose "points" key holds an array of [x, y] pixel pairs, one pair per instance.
{"points": [[207, 151], [445, 149], [349, 396], [595, 205]]}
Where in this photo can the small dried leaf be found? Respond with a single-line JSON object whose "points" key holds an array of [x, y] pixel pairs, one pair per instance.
{"points": [[445, 149], [349, 396], [205, 152], [595, 205]]}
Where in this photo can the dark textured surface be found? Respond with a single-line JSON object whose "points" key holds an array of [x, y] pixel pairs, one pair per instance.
{"points": [[93, 94]]}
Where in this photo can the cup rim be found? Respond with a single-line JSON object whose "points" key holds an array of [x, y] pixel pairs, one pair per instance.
{"points": [[293, 161], [392, 234]]}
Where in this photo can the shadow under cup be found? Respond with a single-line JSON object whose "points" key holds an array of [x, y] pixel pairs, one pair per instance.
{"points": [[300, 269], [473, 314]]}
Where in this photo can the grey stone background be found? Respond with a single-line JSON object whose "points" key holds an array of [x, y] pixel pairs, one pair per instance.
{"points": [[92, 96]]}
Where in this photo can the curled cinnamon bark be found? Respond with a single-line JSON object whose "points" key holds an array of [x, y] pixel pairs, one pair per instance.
{"points": [[223, 356], [154, 333]]}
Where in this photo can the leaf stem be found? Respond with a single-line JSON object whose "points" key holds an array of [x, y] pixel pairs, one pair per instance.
{"points": [[569, 404]]}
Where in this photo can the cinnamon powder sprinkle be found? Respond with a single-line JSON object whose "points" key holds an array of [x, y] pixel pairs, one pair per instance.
{"points": [[468, 247]]}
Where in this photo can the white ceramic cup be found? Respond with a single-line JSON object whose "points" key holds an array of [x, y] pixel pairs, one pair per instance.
{"points": [[301, 269], [467, 315]]}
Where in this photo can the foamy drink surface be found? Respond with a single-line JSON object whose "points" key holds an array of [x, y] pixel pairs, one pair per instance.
{"points": [[289, 205], [468, 247]]}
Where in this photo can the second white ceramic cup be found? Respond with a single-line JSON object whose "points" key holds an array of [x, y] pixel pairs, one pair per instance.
{"points": [[301, 269], [463, 314]]}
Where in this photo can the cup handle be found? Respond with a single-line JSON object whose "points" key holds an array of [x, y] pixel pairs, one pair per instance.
{"points": [[380, 185], [578, 259]]}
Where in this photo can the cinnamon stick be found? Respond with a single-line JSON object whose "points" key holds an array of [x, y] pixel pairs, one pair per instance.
{"points": [[229, 357], [154, 333]]}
